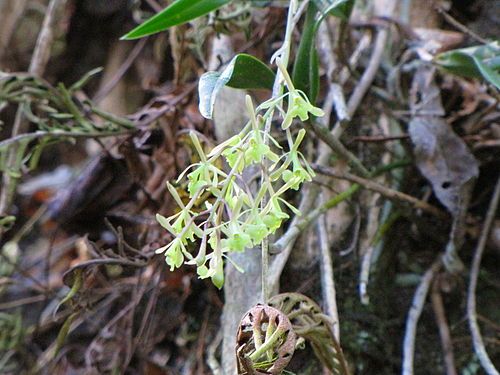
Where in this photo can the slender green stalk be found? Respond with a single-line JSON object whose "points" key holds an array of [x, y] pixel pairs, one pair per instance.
{"points": [[284, 55], [268, 344]]}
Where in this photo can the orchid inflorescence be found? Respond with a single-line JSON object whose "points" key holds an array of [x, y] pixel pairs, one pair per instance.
{"points": [[235, 219]]}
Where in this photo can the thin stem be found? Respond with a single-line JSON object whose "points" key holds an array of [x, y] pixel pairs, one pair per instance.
{"points": [[277, 92], [477, 340], [444, 329], [383, 190], [37, 66], [303, 222], [336, 145], [63, 134], [266, 345], [327, 279], [416, 308]]}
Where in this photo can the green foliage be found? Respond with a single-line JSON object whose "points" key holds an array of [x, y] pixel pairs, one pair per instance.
{"points": [[11, 330], [9, 256], [337, 8], [248, 220], [306, 68], [242, 72], [234, 219], [248, 72], [179, 12], [55, 112], [481, 62]]}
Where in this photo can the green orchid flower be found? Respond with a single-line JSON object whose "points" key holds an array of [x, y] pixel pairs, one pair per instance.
{"points": [[174, 253], [299, 106], [256, 229], [298, 174]]}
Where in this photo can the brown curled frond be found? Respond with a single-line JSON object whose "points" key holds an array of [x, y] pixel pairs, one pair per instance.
{"points": [[309, 322], [265, 342]]}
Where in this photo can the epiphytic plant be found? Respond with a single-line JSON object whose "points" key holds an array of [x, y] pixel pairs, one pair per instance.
{"points": [[236, 219]]}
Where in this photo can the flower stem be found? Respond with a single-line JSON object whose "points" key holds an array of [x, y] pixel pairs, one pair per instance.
{"points": [[277, 92]]}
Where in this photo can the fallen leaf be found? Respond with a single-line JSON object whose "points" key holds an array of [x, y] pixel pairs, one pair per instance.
{"points": [[443, 159], [441, 155]]}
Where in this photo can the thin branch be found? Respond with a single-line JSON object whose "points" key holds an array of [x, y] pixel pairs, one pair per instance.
{"points": [[284, 55], [368, 257], [125, 66], [383, 190], [416, 308], [310, 195], [43, 133], [41, 53], [452, 21], [444, 329], [477, 339], [364, 275], [327, 280], [212, 361], [293, 232], [338, 148], [368, 76]]}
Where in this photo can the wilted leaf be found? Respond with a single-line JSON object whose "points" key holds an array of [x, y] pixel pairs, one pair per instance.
{"points": [[441, 155], [179, 12], [443, 158], [242, 72], [474, 62]]}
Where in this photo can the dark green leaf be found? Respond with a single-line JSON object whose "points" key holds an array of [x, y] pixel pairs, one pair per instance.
{"points": [[242, 72], [314, 75], [179, 12], [305, 75], [250, 73], [474, 62], [63, 332]]}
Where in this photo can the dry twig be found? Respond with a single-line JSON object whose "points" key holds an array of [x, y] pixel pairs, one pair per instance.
{"points": [[383, 190], [452, 21], [477, 339], [327, 280], [444, 329], [416, 308]]}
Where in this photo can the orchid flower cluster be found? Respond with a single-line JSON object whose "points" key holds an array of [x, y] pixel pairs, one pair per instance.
{"points": [[234, 219]]}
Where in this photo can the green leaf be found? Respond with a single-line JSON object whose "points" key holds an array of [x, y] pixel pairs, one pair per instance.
{"points": [[179, 12], [249, 73], [63, 332], [337, 8], [242, 72], [305, 75], [75, 288], [473, 62]]}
